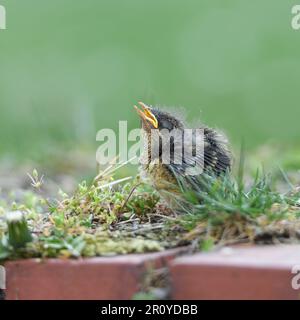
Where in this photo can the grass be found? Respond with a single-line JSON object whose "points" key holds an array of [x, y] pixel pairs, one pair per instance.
{"points": [[226, 212], [117, 216]]}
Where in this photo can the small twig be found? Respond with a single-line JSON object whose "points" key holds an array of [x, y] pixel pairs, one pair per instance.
{"points": [[128, 221], [129, 196], [144, 229], [224, 243], [113, 183], [163, 216]]}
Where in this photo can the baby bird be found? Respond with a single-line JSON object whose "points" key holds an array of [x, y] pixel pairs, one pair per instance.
{"points": [[215, 157]]}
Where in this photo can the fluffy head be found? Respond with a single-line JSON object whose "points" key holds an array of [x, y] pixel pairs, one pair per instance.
{"points": [[153, 118]]}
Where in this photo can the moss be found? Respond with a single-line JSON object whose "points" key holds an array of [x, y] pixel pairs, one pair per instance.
{"points": [[109, 217]]}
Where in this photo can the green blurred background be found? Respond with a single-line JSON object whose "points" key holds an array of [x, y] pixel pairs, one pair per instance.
{"points": [[69, 68]]}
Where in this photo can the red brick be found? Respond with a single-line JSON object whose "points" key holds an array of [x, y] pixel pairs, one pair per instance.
{"points": [[94, 278], [237, 273]]}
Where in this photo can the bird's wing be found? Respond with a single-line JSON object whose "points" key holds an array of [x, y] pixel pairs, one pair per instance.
{"points": [[214, 157], [216, 154]]}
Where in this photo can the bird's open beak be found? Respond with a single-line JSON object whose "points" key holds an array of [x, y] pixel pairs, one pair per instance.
{"points": [[146, 114]]}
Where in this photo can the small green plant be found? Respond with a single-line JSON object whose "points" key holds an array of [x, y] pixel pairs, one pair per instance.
{"points": [[18, 232]]}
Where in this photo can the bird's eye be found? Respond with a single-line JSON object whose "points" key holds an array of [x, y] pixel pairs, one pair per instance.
{"points": [[166, 125]]}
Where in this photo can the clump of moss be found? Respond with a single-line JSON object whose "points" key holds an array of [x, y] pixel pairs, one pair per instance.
{"points": [[108, 217], [105, 217]]}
